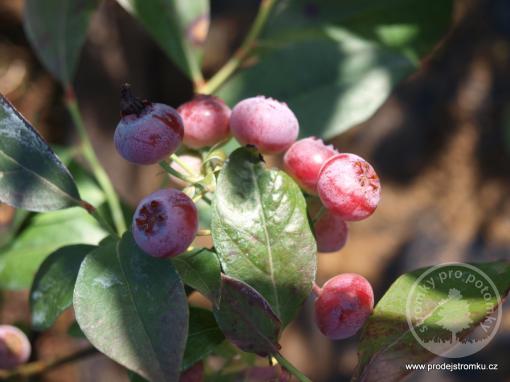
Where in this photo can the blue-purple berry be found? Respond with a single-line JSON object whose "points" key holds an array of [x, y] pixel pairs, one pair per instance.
{"points": [[165, 223], [147, 132]]}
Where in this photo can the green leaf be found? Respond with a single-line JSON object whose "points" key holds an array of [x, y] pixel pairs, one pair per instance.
{"points": [[246, 318], [200, 270], [133, 308], [351, 81], [411, 26], [75, 331], [57, 30], [261, 232], [46, 233], [334, 62], [204, 336], [52, 289], [387, 341], [178, 26], [31, 175]]}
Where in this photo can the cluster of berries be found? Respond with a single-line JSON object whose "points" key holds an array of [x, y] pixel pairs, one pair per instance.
{"points": [[166, 222]]}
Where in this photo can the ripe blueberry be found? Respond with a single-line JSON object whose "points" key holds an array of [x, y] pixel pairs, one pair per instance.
{"points": [[265, 123], [304, 159], [343, 305], [15, 348], [349, 187], [331, 232], [147, 132], [206, 121], [165, 223]]}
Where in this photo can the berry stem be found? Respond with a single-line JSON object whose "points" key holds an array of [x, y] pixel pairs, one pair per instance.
{"points": [[98, 171], [216, 81], [291, 368], [319, 214], [165, 166], [316, 289], [181, 163], [39, 367], [204, 232]]}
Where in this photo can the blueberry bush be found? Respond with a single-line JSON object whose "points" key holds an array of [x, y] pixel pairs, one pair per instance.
{"points": [[305, 72]]}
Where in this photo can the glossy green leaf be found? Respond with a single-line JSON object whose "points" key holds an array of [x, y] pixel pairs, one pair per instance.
{"points": [[52, 289], [133, 308], [200, 270], [450, 303], [45, 234], [49, 231], [57, 30], [178, 26], [204, 336], [335, 62], [261, 232], [31, 175], [246, 318]]}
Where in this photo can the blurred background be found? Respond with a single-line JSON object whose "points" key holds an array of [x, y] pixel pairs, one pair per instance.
{"points": [[440, 143]]}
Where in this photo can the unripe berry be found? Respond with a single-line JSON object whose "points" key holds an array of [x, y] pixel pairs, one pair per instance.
{"points": [[193, 162], [304, 159], [206, 121], [15, 348], [265, 123], [343, 305], [349, 187], [147, 132], [193, 374], [331, 232], [165, 223]]}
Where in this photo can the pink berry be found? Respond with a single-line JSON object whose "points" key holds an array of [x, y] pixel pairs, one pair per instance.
{"points": [[206, 121], [265, 123], [193, 162], [15, 348], [349, 187], [147, 132], [193, 374], [331, 232], [165, 223], [343, 306], [304, 159]]}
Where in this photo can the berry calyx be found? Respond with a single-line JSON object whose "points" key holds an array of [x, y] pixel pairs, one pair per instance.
{"points": [[349, 187], [265, 123], [147, 132], [331, 232], [15, 347], [304, 159], [344, 304], [165, 223], [206, 121]]}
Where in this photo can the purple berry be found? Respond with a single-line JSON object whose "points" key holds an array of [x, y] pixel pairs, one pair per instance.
{"points": [[147, 132], [193, 374], [349, 187], [15, 348], [331, 232], [165, 223], [343, 305], [206, 121], [304, 159], [265, 123]]}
